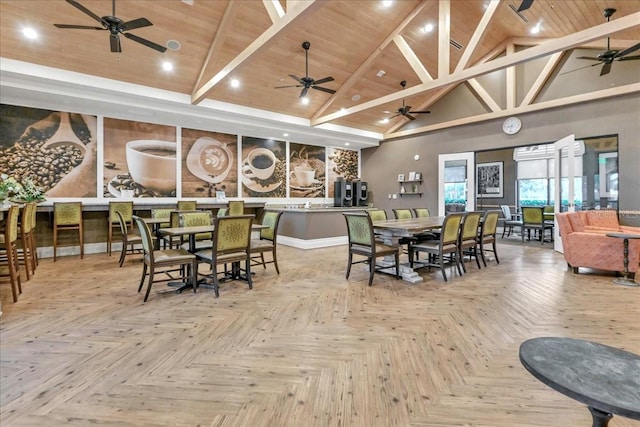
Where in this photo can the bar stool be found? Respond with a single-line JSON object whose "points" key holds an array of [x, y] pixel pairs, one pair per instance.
{"points": [[25, 238], [67, 216], [8, 250], [126, 210]]}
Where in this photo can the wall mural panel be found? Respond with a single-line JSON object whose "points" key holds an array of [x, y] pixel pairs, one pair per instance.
{"points": [[263, 168], [139, 159], [307, 170], [342, 163], [209, 163], [55, 150]]}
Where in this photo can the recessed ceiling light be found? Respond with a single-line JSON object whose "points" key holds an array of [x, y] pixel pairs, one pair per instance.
{"points": [[285, 134], [536, 29], [29, 33], [235, 83], [381, 73], [173, 45], [355, 98], [305, 101], [427, 28], [384, 121], [167, 66], [387, 3]]}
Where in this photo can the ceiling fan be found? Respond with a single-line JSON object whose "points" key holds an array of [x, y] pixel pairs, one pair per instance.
{"points": [[307, 82], [405, 110], [116, 26], [607, 57]]}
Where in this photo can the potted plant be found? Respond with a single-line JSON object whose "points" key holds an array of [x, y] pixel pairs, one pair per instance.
{"points": [[29, 192], [8, 187]]}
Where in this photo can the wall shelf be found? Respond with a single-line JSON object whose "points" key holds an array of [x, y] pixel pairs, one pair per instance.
{"points": [[410, 187]]}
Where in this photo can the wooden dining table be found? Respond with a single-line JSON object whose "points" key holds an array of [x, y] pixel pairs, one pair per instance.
{"points": [[392, 230]]}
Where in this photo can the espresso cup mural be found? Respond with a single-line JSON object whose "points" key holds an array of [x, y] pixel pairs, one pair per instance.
{"points": [[139, 159], [263, 170], [307, 166]]}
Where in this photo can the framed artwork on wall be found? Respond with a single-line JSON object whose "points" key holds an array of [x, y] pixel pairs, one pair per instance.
{"points": [[400, 177], [490, 180]]}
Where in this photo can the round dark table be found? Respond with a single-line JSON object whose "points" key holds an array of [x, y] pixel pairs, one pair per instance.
{"points": [[625, 281], [604, 378]]}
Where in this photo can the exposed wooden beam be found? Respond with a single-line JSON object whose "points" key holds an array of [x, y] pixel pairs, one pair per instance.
{"points": [[567, 42], [223, 29], [510, 79], [544, 75], [364, 67], [444, 37], [413, 60], [576, 99], [484, 95], [478, 34], [274, 9], [300, 9]]}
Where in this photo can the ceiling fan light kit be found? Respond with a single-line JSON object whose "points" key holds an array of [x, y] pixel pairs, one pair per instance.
{"points": [[307, 82], [115, 26]]}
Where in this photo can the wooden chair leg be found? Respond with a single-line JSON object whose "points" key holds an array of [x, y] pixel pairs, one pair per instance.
{"points": [[150, 282], [144, 273], [495, 251], [275, 261], [81, 233], [372, 269], [349, 264]]}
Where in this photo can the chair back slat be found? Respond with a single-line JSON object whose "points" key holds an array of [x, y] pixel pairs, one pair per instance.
{"points": [[506, 212], [67, 213], [532, 215], [470, 225], [403, 213], [271, 220], [232, 233], [360, 229], [422, 212], [377, 214], [236, 207], [450, 228]]}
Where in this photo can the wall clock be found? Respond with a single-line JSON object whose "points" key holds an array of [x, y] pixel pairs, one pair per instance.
{"points": [[512, 125]]}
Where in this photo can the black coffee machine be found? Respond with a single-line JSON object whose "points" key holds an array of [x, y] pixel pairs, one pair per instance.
{"points": [[342, 193], [360, 193]]}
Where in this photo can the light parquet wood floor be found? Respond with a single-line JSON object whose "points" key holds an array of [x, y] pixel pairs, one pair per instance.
{"points": [[306, 348]]}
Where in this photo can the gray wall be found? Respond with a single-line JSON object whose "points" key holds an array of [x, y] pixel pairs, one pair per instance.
{"points": [[621, 116]]}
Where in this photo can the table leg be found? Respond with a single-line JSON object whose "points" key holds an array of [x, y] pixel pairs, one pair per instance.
{"points": [[600, 419], [625, 281]]}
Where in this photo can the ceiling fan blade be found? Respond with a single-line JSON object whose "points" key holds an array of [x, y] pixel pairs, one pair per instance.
{"points": [[304, 92], [625, 52], [606, 68], [409, 116], [325, 80], [395, 115], [282, 87], [78, 27], [526, 4], [591, 58], [145, 42], [323, 89], [629, 58], [115, 43], [577, 69], [421, 112], [136, 23], [85, 10], [296, 78]]}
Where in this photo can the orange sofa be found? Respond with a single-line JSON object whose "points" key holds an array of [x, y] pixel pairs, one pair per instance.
{"points": [[585, 242]]}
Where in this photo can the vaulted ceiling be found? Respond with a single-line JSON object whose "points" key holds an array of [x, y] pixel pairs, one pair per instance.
{"points": [[368, 47]]}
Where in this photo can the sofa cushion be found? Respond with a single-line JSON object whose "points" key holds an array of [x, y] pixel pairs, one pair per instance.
{"points": [[577, 220], [603, 218]]}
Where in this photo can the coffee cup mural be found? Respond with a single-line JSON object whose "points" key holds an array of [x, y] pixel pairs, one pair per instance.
{"points": [[152, 163], [303, 175], [261, 162]]}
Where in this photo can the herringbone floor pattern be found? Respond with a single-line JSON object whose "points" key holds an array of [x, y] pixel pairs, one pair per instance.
{"points": [[306, 348]]}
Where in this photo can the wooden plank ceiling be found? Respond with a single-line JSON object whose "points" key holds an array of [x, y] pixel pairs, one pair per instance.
{"points": [[259, 44]]}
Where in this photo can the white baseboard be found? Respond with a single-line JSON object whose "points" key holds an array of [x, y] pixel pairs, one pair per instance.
{"points": [[314, 243]]}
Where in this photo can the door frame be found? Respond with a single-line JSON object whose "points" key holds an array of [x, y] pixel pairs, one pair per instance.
{"points": [[568, 143], [470, 157]]}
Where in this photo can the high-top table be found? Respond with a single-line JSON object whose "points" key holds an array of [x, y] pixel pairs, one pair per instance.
{"points": [[604, 378], [625, 281]]}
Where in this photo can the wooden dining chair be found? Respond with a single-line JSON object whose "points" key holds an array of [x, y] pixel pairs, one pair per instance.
{"points": [[231, 245], [67, 216], [163, 263], [195, 219], [377, 214], [129, 239], [26, 248], [403, 213], [362, 242], [222, 212], [126, 210], [9, 250], [487, 235], [267, 242], [533, 219], [468, 237], [508, 221], [446, 245]]}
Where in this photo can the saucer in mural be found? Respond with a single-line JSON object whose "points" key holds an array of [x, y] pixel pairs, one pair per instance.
{"points": [[255, 184]]}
